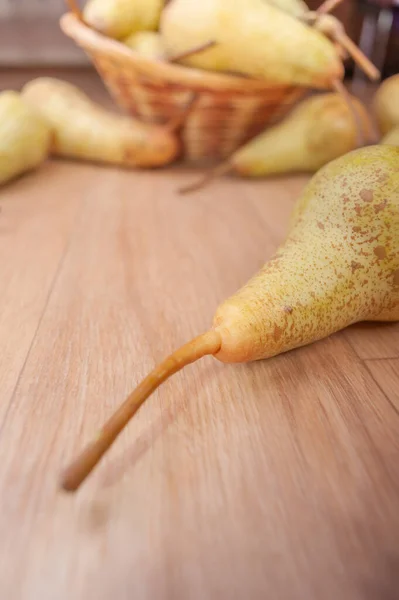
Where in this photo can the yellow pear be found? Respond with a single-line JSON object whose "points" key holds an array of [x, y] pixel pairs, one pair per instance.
{"points": [[386, 104], [85, 130], [297, 8], [119, 18], [392, 137], [147, 44], [25, 137], [338, 265], [318, 129], [252, 37]]}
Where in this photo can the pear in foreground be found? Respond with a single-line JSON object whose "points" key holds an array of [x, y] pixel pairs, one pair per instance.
{"points": [[338, 265]]}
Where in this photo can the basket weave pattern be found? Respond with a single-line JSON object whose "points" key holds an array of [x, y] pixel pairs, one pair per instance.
{"points": [[227, 111]]}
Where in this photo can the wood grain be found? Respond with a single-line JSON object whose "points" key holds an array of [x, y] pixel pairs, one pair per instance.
{"points": [[278, 479]]}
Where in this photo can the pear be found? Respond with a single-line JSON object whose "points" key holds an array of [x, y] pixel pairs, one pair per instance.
{"points": [[297, 8], [338, 265], [318, 129], [146, 43], [84, 130], [252, 37], [25, 137], [120, 18], [386, 104], [392, 137]]}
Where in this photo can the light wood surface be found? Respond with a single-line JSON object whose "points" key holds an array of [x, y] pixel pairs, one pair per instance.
{"points": [[274, 480]]}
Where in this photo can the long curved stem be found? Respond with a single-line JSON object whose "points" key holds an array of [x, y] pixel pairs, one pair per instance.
{"points": [[192, 51], [203, 345]]}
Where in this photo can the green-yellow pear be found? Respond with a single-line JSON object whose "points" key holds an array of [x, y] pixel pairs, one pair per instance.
{"points": [[85, 130], [252, 37], [386, 104], [338, 265], [318, 129], [392, 137], [147, 44], [297, 8], [25, 137], [119, 18]]}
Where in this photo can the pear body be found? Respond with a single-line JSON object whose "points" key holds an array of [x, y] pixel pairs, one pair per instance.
{"points": [[86, 131], [25, 137], [386, 104], [297, 8], [318, 130], [392, 137], [146, 43], [339, 264], [119, 18], [253, 38]]}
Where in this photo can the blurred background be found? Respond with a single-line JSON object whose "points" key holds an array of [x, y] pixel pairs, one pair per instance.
{"points": [[30, 35]]}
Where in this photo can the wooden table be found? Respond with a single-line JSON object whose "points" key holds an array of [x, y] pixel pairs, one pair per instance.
{"points": [[274, 480]]}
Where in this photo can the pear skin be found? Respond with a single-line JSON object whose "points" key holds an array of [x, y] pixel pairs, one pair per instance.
{"points": [[84, 130], [147, 44], [339, 264], [120, 18], [386, 104], [297, 8], [318, 129], [25, 137], [252, 38], [392, 137]]}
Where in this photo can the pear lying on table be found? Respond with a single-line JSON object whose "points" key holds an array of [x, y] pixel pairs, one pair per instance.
{"points": [[338, 265], [119, 18], [392, 137], [386, 104], [146, 43], [318, 130], [84, 130], [25, 137], [252, 37]]}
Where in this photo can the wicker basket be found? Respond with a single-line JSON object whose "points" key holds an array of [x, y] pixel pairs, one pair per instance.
{"points": [[228, 110]]}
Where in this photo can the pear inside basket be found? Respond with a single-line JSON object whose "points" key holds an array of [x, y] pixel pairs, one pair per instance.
{"points": [[218, 73]]}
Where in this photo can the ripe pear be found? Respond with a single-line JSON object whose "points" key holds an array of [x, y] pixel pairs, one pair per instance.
{"points": [[85, 130], [392, 137], [119, 18], [338, 265], [146, 43], [386, 104], [297, 8], [319, 129], [25, 137], [252, 37]]}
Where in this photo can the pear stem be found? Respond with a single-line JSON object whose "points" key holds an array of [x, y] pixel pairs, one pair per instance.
{"points": [[222, 169], [206, 344], [192, 51], [341, 89], [75, 9], [328, 6], [358, 56]]}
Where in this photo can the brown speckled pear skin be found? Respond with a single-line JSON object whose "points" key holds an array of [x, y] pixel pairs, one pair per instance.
{"points": [[318, 130], [339, 264]]}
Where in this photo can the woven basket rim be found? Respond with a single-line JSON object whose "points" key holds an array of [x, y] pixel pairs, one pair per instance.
{"points": [[98, 44]]}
